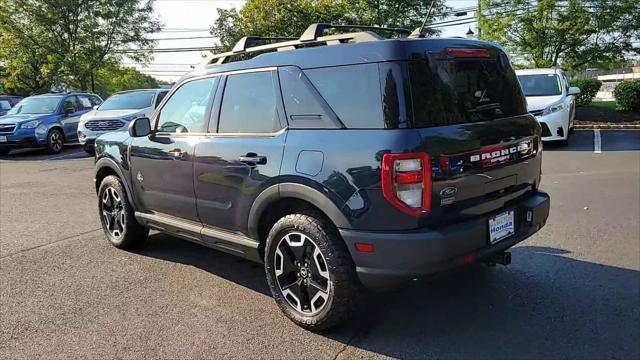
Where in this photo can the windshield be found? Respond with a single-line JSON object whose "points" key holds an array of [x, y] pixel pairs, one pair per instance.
{"points": [[540, 84], [127, 101], [37, 105]]}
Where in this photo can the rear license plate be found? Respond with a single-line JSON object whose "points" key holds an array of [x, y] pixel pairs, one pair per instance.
{"points": [[3, 139], [501, 227]]}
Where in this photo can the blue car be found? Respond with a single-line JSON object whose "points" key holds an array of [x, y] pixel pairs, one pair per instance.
{"points": [[44, 121]]}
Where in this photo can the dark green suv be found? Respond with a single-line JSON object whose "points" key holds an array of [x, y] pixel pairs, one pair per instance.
{"points": [[341, 162]]}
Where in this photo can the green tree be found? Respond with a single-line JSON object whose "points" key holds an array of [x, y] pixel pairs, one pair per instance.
{"points": [[114, 78], [291, 17], [72, 38], [570, 33]]}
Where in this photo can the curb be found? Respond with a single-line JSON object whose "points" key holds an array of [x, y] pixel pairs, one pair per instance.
{"points": [[607, 126]]}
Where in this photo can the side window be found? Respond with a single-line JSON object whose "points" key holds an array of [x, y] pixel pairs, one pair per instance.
{"points": [[70, 105], [249, 104], [94, 100], [566, 82], [85, 103], [304, 105], [187, 108], [5, 105], [159, 98], [353, 92]]}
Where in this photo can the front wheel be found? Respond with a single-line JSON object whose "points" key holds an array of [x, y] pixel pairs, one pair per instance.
{"points": [[310, 272], [55, 141], [117, 216]]}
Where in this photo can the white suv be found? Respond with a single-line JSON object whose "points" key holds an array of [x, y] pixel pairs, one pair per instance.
{"points": [[551, 100], [116, 113]]}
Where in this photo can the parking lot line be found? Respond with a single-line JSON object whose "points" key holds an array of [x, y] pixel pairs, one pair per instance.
{"points": [[597, 142]]}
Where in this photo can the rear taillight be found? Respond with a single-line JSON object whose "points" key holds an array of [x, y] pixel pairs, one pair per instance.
{"points": [[406, 182], [467, 53]]}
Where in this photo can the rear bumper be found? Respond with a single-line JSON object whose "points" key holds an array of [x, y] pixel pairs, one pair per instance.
{"points": [[402, 256]]}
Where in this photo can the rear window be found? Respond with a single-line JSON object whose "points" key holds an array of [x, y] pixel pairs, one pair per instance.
{"points": [[449, 91]]}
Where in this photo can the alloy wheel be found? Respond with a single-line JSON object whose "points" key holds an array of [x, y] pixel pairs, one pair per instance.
{"points": [[302, 273], [113, 212], [56, 141]]}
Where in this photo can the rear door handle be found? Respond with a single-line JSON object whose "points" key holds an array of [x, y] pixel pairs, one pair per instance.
{"points": [[253, 159]]}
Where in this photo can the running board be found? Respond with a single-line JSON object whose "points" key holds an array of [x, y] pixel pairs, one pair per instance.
{"points": [[232, 243]]}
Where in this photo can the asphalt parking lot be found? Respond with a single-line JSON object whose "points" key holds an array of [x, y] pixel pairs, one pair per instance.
{"points": [[572, 291]]}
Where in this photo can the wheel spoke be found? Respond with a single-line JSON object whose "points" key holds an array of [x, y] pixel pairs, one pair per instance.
{"points": [[284, 263], [318, 265]]}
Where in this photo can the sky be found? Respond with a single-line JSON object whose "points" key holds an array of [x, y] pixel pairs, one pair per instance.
{"points": [[192, 18]]}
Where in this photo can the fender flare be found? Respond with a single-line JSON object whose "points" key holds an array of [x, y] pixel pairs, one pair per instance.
{"points": [[106, 162], [296, 191]]}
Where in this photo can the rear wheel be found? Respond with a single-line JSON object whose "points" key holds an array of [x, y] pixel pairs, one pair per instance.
{"points": [[55, 141], [310, 272], [117, 216]]}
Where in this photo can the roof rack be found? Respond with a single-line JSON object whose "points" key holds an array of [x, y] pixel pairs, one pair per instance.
{"points": [[314, 31], [312, 36], [252, 41]]}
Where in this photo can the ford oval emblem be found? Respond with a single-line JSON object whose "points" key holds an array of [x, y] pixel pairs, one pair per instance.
{"points": [[448, 191]]}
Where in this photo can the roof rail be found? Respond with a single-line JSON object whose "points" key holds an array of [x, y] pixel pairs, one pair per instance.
{"points": [[314, 31], [312, 36], [250, 41]]}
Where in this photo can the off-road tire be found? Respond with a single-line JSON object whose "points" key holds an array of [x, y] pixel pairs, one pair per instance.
{"points": [[133, 235], [343, 284]]}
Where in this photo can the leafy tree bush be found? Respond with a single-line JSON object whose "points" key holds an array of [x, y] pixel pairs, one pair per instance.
{"points": [[627, 95], [588, 90]]}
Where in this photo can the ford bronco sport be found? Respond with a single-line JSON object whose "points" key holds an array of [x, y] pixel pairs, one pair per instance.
{"points": [[341, 162]]}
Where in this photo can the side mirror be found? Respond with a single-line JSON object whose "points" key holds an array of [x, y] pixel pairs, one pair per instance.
{"points": [[573, 91], [140, 127]]}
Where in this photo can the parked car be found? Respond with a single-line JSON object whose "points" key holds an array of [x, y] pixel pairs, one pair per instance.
{"points": [[551, 100], [347, 160], [7, 102], [116, 112], [47, 120]]}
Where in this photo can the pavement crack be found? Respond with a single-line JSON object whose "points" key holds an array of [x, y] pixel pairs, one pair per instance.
{"points": [[50, 243], [358, 333]]}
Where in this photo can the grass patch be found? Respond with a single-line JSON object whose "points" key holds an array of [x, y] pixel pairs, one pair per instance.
{"points": [[610, 105]]}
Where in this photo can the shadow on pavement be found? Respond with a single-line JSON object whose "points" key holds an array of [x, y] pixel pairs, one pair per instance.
{"points": [[545, 305], [69, 152]]}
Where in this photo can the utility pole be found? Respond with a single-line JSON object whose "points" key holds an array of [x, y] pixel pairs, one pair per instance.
{"points": [[479, 15]]}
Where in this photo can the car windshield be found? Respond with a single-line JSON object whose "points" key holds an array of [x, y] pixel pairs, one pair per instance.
{"points": [[540, 84], [37, 105], [127, 101]]}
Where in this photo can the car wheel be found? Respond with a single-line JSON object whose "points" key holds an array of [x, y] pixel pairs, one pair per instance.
{"points": [[5, 151], [55, 141], [117, 216], [310, 272]]}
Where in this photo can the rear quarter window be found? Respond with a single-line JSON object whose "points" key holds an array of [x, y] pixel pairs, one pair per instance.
{"points": [[353, 92]]}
